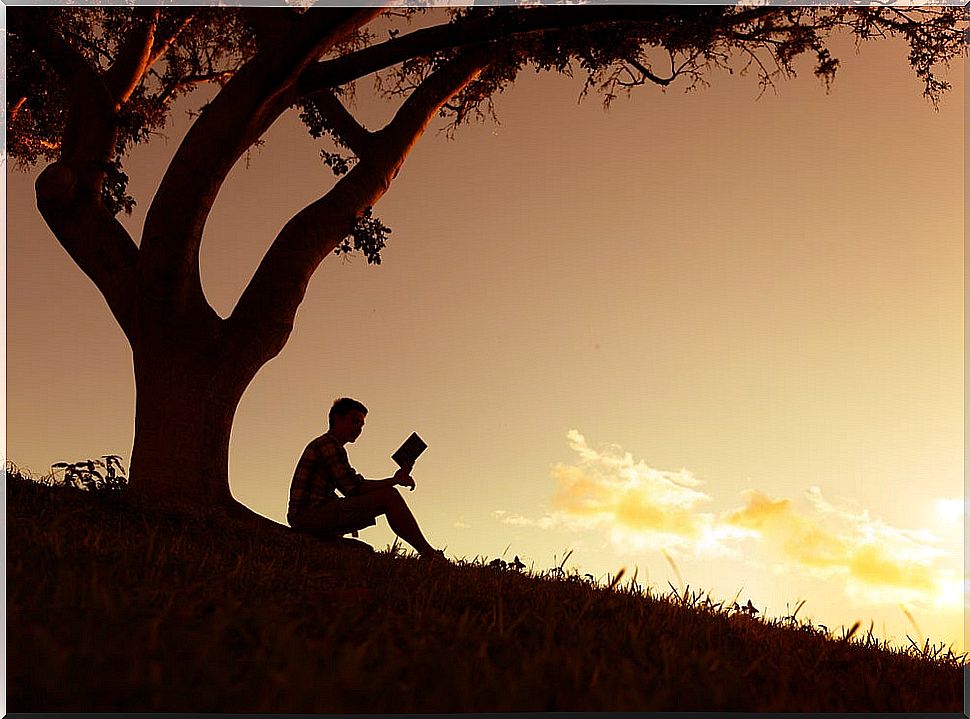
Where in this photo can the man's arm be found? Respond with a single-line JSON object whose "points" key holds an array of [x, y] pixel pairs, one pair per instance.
{"points": [[335, 466], [300, 486], [401, 477]]}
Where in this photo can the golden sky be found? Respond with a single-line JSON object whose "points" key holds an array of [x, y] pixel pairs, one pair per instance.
{"points": [[723, 329]]}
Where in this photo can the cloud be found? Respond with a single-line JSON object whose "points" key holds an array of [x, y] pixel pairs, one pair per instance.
{"points": [[638, 503], [877, 562], [951, 508], [760, 510], [642, 508]]}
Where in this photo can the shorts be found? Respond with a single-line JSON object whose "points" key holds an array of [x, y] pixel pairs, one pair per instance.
{"points": [[339, 516]]}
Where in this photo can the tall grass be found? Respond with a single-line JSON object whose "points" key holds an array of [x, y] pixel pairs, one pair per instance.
{"points": [[113, 608]]}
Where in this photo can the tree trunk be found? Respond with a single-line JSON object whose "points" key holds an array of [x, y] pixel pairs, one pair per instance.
{"points": [[184, 408]]}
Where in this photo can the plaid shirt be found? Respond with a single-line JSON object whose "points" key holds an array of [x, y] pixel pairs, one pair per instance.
{"points": [[322, 469]]}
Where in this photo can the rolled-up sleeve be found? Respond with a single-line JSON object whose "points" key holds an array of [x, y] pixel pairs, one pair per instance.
{"points": [[336, 466]]}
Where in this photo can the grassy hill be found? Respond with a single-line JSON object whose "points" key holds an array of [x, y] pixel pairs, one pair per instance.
{"points": [[112, 608]]}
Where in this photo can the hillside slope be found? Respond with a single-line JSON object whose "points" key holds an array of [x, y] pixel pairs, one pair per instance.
{"points": [[110, 608]]}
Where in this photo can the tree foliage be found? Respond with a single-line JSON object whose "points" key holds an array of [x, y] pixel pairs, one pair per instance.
{"points": [[88, 83], [616, 49], [199, 46]]}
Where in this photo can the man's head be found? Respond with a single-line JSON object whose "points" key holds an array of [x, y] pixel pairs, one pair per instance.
{"points": [[347, 419]]}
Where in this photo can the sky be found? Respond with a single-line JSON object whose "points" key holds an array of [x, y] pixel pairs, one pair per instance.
{"points": [[709, 338]]}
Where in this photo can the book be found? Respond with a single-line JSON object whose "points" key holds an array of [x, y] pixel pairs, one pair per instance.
{"points": [[408, 452]]}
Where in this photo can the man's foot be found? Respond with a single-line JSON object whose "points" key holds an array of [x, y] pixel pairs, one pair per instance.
{"points": [[433, 555]]}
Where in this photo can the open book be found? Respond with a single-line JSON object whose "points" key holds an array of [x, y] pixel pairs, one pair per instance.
{"points": [[409, 451]]}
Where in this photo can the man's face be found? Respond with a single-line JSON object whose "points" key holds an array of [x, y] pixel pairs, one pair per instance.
{"points": [[348, 427]]}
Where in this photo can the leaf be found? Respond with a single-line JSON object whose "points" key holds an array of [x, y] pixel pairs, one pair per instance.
{"points": [[369, 236], [617, 578]]}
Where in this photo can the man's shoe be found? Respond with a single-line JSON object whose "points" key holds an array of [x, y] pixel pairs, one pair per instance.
{"points": [[436, 555]]}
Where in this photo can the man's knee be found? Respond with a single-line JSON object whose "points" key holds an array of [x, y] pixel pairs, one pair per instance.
{"points": [[390, 496]]}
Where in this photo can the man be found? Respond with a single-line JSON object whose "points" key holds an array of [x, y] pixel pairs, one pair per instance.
{"points": [[324, 468]]}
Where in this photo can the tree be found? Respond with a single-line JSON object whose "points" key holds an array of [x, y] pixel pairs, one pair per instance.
{"points": [[88, 83]]}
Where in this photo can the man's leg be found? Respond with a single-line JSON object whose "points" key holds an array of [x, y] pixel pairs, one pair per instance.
{"points": [[402, 521], [388, 501]]}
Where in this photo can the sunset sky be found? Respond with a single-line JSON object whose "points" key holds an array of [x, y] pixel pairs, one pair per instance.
{"points": [[702, 334]]}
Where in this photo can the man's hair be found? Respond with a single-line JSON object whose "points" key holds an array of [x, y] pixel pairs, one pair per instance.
{"points": [[344, 406]]}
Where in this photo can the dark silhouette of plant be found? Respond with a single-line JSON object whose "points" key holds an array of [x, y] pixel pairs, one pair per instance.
{"points": [[86, 474], [516, 564]]}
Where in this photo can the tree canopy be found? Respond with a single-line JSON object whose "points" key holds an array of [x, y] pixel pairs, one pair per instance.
{"points": [[88, 83], [616, 48]]}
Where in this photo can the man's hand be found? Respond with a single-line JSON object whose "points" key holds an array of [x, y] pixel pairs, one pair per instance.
{"points": [[403, 478]]}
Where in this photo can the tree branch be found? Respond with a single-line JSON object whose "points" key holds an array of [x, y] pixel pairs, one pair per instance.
{"points": [[16, 106], [134, 58], [69, 191], [423, 42], [168, 92], [160, 45], [344, 125], [664, 81], [513, 22], [263, 317], [94, 239], [272, 24], [269, 23], [242, 111], [89, 134], [333, 18]]}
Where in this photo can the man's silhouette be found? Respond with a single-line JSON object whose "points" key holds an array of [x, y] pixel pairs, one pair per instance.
{"points": [[323, 469]]}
